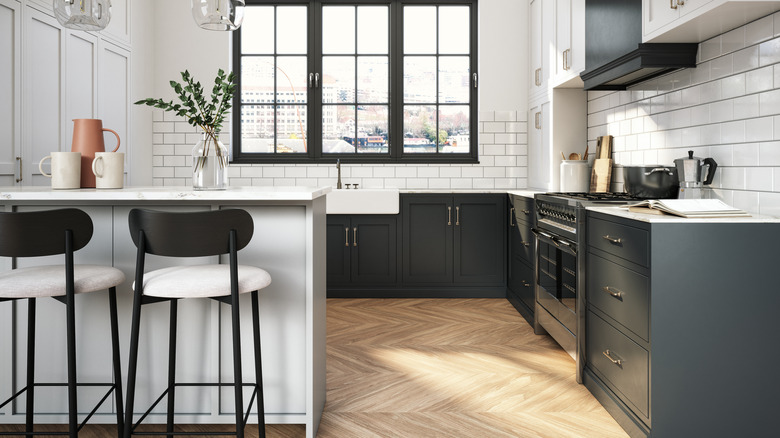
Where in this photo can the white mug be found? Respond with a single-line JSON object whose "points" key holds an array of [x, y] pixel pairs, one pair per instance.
{"points": [[109, 170], [65, 170]]}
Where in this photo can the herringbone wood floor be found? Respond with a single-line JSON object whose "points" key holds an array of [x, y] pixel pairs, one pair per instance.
{"points": [[413, 368]]}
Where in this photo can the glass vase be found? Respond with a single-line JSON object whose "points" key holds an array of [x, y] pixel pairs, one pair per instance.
{"points": [[209, 164]]}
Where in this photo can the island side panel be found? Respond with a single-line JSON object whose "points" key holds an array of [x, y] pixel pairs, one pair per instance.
{"points": [[317, 308]]}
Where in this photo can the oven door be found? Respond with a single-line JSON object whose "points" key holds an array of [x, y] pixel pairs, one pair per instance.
{"points": [[557, 278]]}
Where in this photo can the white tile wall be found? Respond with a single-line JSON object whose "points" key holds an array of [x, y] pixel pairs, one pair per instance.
{"points": [[503, 156], [728, 108]]}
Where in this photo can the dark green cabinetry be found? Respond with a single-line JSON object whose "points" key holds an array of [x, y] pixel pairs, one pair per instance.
{"points": [[681, 325], [520, 282], [362, 250]]}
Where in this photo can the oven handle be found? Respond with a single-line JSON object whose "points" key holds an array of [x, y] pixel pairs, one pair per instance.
{"points": [[567, 246]]}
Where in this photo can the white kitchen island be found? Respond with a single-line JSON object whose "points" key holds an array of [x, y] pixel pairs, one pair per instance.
{"points": [[289, 242]]}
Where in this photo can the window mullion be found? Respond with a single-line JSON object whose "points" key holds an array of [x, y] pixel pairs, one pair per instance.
{"points": [[396, 128], [315, 66]]}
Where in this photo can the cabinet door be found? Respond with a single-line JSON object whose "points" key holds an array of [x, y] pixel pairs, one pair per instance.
{"points": [[427, 239], [338, 249], [539, 172], [119, 26], [480, 239], [10, 68], [373, 250], [658, 13], [114, 96], [521, 282], [563, 22], [536, 44]]}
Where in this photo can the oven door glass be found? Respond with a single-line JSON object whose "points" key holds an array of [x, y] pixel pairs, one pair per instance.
{"points": [[557, 284]]}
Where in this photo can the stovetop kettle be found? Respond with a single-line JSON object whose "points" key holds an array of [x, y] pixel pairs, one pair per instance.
{"points": [[690, 172]]}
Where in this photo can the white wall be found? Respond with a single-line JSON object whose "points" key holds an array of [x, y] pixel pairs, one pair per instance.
{"points": [[142, 40], [503, 45], [728, 108]]}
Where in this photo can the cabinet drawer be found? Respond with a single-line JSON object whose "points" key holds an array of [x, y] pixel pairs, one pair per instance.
{"points": [[623, 241], [522, 242], [620, 293], [523, 209], [629, 377]]}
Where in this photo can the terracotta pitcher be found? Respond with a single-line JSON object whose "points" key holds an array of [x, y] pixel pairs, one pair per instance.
{"points": [[88, 139]]}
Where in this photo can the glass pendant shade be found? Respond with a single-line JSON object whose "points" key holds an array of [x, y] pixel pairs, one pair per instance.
{"points": [[218, 14], [83, 14]]}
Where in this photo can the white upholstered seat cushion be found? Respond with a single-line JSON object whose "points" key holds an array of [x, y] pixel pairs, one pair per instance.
{"points": [[200, 281], [49, 281]]}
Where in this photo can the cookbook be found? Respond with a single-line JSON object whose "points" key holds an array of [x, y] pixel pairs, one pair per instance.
{"points": [[689, 208]]}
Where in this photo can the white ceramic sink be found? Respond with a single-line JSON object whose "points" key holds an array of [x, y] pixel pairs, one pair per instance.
{"points": [[362, 201]]}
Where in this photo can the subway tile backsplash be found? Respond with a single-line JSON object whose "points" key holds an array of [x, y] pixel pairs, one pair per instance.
{"points": [[728, 108], [503, 161]]}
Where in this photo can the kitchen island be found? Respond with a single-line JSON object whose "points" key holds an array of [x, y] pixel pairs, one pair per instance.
{"points": [[288, 242]]}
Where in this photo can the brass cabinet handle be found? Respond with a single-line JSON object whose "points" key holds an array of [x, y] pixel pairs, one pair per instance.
{"points": [[563, 60], [346, 236], [526, 244], [511, 217], [538, 120], [613, 240], [617, 362], [449, 215], [525, 284], [672, 5], [526, 212], [354, 236], [19, 159], [618, 294], [538, 76], [457, 215]]}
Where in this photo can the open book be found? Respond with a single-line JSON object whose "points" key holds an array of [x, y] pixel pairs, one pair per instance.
{"points": [[692, 208]]}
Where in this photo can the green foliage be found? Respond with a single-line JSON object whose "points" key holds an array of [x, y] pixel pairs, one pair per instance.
{"points": [[206, 114]]}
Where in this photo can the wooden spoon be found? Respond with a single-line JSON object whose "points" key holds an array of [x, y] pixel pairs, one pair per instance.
{"points": [[585, 157], [574, 156]]}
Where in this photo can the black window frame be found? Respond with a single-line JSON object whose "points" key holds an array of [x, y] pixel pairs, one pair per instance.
{"points": [[314, 104]]}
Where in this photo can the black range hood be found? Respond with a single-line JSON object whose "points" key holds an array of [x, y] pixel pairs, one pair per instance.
{"points": [[615, 56]]}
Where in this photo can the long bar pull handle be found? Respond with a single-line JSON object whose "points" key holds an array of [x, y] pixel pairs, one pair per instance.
{"points": [[672, 5], [511, 217], [613, 240], [563, 55], [316, 80], [449, 215], [617, 362], [475, 80], [346, 236], [457, 215], [354, 236], [311, 80], [21, 176], [616, 293]]}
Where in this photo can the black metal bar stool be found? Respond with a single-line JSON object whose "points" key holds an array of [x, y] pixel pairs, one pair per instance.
{"points": [[46, 233], [197, 234]]}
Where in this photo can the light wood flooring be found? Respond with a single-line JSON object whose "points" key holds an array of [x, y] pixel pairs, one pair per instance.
{"points": [[414, 368]]}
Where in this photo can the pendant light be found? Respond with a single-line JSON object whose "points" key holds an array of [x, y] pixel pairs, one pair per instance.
{"points": [[83, 14], [218, 14]]}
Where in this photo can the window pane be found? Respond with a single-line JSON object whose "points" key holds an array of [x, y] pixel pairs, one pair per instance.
{"points": [[419, 29], [454, 121], [291, 31], [338, 30], [454, 79], [257, 79], [419, 79], [372, 128], [291, 129], [257, 36], [372, 79], [338, 79], [338, 128], [291, 80], [257, 129], [454, 29], [372, 29], [419, 129]]}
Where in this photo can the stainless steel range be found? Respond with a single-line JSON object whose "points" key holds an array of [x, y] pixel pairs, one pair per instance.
{"points": [[560, 230]]}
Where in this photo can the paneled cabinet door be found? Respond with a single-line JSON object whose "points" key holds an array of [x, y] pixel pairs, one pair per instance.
{"points": [[338, 249], [539, 147], [362, 249], [114, 95], [10, 99], [480, 239], [541, 24], [82, 68], [119, 27], [569, 58], [427, 239]]}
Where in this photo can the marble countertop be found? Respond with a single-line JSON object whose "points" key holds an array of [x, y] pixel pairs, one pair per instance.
{"points": [[667, 218], [291, 193]]}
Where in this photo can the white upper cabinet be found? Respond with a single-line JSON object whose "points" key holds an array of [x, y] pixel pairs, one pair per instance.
{"points": [[10, 74], [118, 28], [540, 26], [569, 44], [693, 21]]}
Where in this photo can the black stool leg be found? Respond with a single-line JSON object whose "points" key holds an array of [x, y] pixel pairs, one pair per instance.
{"points": [[72, 399], [237, 377], [29, 424], [117, 367], [258, 367], [132, 364], [172, 366]]}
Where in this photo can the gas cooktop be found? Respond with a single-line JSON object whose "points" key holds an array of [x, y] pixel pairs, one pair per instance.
{"points": [[601, 196]]}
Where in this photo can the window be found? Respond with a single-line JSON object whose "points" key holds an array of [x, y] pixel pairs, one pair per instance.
{"points": [[369, 81]]}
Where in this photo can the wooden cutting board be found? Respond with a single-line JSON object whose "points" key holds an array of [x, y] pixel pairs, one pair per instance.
{"points": [[601, 175]]}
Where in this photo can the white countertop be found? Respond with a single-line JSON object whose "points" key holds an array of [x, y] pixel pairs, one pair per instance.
{"points": [[291, 193], [668, 218]]}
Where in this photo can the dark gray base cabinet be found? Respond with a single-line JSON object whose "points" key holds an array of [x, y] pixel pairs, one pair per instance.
{"points": [[682, 326], [520, 281], [362, 250]]}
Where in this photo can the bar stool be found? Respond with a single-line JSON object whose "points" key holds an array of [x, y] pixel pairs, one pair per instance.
{"points": [[54, 232], [196, 234]]}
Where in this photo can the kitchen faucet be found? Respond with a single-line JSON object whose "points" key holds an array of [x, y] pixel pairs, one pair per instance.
{"points": [[338, 168]]}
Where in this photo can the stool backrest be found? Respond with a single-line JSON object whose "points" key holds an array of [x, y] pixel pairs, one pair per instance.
{"points": [[42, 233], [195, 234]]}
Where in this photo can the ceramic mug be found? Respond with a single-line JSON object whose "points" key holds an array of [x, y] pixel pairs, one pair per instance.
{"points": [[109, 170], [65, 169]]}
